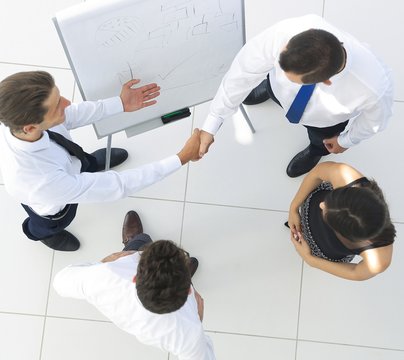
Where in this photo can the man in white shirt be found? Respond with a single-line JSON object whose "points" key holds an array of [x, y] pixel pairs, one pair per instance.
{"points": [[351, 101], [147, 293], [48, 173]]}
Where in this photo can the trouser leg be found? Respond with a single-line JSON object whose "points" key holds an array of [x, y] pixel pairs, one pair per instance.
{"points": [[317, 135], [37, 227], [137, 242], [271, 93]]}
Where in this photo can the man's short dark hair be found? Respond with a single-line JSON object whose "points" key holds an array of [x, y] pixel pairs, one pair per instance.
{"points": [[316, 54], [22, 97], [163, 278]]}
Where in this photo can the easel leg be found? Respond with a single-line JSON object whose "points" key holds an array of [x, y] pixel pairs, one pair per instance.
{"points": [[108, 154], [247, 118]]}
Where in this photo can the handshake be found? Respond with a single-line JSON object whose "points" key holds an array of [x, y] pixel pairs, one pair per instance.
{"points": [[196, 146]]}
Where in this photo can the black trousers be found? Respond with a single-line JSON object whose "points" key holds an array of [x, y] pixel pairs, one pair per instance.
{"points": [[316, 134], [37, 227], [137, 242]]}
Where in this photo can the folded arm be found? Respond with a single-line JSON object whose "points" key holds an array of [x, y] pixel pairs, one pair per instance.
{"points": [[338, 174], [374, 261]]}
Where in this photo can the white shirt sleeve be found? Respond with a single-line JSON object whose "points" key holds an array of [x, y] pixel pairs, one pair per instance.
{"points": [[102, 186], [70, 281], [88, 112], [202, 349], [372, 119], [249, 68]]}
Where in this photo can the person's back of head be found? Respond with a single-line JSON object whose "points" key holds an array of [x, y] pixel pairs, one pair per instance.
{"points": [[22, 97], [316, 54], [358, 213], [163, 278]]}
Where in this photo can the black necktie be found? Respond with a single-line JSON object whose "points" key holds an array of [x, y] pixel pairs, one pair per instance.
{"points": [[71, 147]]}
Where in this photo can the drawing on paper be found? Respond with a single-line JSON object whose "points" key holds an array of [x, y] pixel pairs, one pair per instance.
{"points": [[198, 23], [116, 31]]}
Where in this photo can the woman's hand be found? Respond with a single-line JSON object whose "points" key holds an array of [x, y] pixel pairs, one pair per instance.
{"points": [[294, 221], [301, 246]]}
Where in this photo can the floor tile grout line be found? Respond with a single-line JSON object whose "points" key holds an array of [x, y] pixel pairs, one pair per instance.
{"points": [[351, 345], [20, 314], [220, 332], [303, 340], [205, 203], [298, 309], [46, 306], [249, 335], [34, 65], [184, 201], [223, 205]]}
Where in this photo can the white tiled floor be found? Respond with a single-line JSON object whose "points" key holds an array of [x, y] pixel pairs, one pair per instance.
{"points": [[261, 302]]}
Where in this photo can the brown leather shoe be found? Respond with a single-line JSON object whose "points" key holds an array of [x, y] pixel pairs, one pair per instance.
{"points": [[132, 226]]}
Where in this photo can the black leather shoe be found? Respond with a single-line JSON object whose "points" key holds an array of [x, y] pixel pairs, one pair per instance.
{"points": [[132, 226], [302, 163], [193, 265], [63, 241], [258, 95], [118, 156]]}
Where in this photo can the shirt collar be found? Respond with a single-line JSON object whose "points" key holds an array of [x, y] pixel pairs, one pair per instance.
{"points": [[348, 64], [41, 144]]}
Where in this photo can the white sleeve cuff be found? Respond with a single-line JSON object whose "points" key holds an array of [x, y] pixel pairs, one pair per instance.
{"points": [[171, 164], [113, 106], [212, 124], [344, 140]]}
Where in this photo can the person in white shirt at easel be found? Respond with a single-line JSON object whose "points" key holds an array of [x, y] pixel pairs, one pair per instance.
{"points": [[48, 173]]}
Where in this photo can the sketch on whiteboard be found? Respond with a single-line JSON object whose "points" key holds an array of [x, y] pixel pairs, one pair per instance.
{"points": [[170, 4], [139, 45], [162, 33], [175, 67], [117, 30], [175, 15], [185, 46], [201, 28], [231, 26]]}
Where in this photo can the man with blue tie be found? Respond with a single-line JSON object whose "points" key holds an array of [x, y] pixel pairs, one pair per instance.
{"points": [[322, 77]]}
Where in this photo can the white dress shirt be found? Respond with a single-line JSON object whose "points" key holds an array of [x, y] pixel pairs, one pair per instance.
{"points": [[110, 288], [361, 92], [44, 176]]}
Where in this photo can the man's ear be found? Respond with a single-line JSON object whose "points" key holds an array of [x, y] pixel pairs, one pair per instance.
{"points": [[134, 279], [327, 82], [28, 129]]}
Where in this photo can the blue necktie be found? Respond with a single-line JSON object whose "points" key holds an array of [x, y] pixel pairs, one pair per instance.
{"points": [[299, 104]]}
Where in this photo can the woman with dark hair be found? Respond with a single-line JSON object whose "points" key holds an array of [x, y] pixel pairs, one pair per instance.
{"points": [[336, 214]]}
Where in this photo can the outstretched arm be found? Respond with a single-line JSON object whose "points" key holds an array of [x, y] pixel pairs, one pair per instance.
{"points": [[139, 97]]}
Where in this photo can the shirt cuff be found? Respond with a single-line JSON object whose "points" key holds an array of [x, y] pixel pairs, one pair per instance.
{"points": [[212, 124], [345, 141], [113, 106], [171, 164]]}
